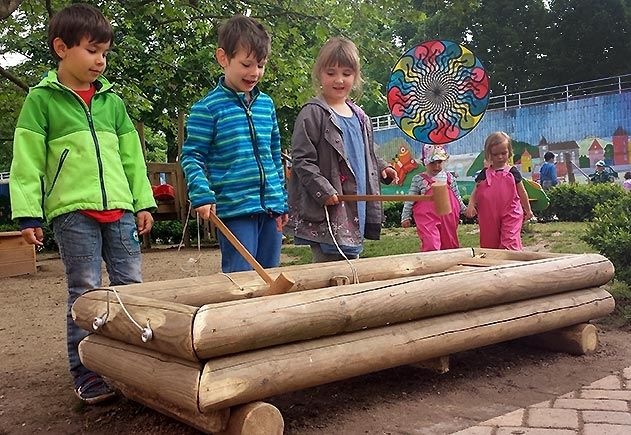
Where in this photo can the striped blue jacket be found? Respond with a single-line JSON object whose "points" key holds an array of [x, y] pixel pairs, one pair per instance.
{"points": [[231, 156]]}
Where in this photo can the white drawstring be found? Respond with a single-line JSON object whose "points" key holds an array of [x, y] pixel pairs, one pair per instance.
{"points": [[328, 223], [191, 261], [146, 332]]}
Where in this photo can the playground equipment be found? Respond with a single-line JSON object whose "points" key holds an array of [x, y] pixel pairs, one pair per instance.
{"points": [[169, 188], [218, 346]]}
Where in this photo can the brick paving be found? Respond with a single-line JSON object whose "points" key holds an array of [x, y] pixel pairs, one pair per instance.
{"points": [[600, 408]]}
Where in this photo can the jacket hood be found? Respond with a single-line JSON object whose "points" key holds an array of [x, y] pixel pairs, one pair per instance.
{"points": [[50, 80], [319, 101]]}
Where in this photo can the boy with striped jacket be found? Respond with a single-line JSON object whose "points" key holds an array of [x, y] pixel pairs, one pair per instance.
{"points": [[232, 156]]}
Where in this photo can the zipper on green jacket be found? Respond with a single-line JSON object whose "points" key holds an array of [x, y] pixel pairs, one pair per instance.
{"points": [[88, 115], [62, 158]]}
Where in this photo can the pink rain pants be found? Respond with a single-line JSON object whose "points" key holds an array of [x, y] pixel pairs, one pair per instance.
{"points": [[499, 211], [437, 232]]}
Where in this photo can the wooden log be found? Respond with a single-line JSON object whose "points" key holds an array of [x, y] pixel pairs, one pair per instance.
{"points": [[256, 418], [199, 291], [166, 384], [171, 323], [514, 255], [235, 326], [210, 422], [576, 340], [250, 376]]}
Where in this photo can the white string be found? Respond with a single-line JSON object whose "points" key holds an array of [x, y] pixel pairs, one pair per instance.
{"points": [[232, 280], [328, 223], [191, 261], [146, 332]]}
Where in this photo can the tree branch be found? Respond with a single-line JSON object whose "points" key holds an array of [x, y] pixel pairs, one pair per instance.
{"points": [[49, 8], [7, 7], [7, 75]]}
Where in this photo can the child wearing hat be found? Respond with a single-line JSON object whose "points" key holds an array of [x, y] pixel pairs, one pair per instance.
{"points": [[435, 232], [602, 175]]}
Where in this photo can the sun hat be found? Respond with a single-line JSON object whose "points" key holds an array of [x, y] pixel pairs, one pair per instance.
{"points": [[434, 153]]}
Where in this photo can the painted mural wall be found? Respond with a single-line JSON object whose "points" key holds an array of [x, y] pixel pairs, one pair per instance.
{"points": [[587, 129]]}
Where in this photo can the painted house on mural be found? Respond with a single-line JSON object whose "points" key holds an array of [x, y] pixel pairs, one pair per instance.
{"points": [[595, 152], [621, 145]]}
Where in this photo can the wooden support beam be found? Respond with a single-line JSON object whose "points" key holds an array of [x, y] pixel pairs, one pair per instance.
{"points": [[256, 418], [250, 376], [438, 365], [168, 385], [576, 340], [236, 326]]}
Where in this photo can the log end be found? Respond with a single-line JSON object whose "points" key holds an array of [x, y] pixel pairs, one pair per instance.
{"points": [[255, 418]]}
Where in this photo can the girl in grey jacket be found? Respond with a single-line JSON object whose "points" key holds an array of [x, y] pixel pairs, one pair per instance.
{"points": [[333, 154]]}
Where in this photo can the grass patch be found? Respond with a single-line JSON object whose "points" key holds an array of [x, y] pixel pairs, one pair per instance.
{"points": [[549, 237]]}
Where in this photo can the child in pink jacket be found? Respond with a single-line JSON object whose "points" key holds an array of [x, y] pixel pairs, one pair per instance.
{"points": [[435, 232], [499, 197]]}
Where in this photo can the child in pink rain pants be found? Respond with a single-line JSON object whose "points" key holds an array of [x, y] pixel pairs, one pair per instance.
{"points": [[499, 197], [435, 232]]}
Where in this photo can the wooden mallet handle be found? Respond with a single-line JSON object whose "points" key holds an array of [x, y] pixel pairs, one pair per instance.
{"points": [[280, 285], [440, 197]]}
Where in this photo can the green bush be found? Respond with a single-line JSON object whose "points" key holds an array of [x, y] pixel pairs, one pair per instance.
{"points": [[167, 232], [610, 234], [393, 211], [576, 202]]}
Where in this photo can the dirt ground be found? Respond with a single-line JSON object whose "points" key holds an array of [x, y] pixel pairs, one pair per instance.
{"points": [[36, 393]]}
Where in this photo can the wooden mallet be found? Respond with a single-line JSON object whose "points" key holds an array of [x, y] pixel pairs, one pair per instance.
{"points": [[440, 197], [281, 284]]}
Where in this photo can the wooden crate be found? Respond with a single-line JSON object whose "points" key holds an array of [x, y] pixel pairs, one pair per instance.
{"points": [[17, 257]]}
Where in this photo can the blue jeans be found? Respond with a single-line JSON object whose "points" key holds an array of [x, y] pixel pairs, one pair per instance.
{"points": [[83, 244], [258, 234]]}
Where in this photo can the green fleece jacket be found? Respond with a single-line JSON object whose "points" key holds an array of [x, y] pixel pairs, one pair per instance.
{"points": [[69, 156]]}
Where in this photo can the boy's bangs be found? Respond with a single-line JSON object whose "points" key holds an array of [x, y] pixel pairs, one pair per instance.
{"points": [[100, 34]]}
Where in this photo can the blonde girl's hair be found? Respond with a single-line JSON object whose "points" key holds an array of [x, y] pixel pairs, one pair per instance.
{"points": [[494, 139], [341, 52]]}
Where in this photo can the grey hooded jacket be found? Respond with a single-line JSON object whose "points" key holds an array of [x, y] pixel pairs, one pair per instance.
{"points": [[320, 168]]}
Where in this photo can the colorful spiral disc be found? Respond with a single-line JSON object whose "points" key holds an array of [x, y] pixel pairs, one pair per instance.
{"points": [[438, 92]]}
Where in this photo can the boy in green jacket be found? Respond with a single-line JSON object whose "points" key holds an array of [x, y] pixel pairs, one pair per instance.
{"points": [[78, 163]]}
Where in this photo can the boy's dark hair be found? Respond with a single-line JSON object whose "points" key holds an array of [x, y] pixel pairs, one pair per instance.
{"points": [[627, 175], [74, 22], [246, 32], [548, 156]]}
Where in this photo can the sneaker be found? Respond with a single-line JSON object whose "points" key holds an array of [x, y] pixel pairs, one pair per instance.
{"points": [[92, 389]]}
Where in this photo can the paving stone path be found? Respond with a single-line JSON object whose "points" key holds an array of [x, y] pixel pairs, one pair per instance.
{"points": [[601, 408]]}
